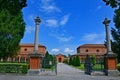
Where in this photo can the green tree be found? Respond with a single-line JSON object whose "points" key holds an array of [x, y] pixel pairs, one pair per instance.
{"points": [[47, 59], [74, 61], [115, 31], [70, 61], [93, 59], [77, 61], [13, 6], [12, 26], [11, 31]]}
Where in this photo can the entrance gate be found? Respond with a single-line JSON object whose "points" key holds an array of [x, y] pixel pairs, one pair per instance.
{"points": [[48, 67], [90, 67]]}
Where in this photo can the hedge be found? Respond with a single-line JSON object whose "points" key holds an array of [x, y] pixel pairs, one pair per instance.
{"points": [[13, 68], [118, 67]]}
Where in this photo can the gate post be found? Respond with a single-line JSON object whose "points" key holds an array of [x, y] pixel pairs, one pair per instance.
{"points": [[35, 57], [110, 57], [34, 64]]}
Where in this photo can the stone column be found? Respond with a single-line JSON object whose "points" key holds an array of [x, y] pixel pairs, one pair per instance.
{"points": [[110, 57], [35, 57], [37, 22]]}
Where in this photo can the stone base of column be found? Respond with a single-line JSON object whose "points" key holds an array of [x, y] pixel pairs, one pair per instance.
{"points": [[111, 64], [112, 72], [34, 72], [34, 63]]}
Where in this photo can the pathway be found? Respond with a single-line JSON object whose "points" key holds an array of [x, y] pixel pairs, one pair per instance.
{"points": [[65, 72]]}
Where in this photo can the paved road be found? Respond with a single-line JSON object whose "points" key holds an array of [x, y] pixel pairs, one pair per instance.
{"points": [[65, 72]]}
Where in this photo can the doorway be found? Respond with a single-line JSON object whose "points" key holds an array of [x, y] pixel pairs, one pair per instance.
{"points": [[59, 60]]}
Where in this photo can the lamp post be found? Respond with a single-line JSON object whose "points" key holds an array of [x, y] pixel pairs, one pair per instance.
{"points": [[106, 23], [37, 22]]}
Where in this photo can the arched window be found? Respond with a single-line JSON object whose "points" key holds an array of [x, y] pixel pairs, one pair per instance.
{"points": [[97, 50], [25, 49], [86, 50]]}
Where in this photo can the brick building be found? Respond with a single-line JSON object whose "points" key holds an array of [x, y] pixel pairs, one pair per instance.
{"points": [[25, 50], [91, 49], [60, 58]]}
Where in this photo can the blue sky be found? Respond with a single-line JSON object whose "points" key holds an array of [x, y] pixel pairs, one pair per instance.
{"points": [[66, 24]]}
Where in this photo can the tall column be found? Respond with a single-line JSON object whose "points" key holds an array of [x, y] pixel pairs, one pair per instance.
{"points": [[110, 63], [106, 23], [35, 57], [37, 22]]}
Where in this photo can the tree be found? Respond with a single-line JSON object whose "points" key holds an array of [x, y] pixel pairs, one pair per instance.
{"points": [[12, 26], [112, 3], [70, 61], [93, 59], [47, 59], [11, 31], [115, 31], [13, 6], [77, 61]]}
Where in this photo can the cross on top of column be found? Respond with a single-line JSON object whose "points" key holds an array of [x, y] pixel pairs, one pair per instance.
{"points": [[37, 20], [106, 22]]}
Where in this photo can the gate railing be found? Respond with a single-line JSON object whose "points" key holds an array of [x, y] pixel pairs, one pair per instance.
{"points": [[49, 67], [90, 67]]}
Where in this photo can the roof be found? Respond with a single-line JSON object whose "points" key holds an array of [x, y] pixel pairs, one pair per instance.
{"points": [[60, 54], [31, 45], [92, 45]]}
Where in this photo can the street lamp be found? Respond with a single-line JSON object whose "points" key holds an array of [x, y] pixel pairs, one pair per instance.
{"points": [[37, 22]]}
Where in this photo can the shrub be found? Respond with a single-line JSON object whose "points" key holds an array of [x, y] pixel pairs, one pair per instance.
{"points": [[70, 61], [77, 61], [13, 68], [118, 67]]}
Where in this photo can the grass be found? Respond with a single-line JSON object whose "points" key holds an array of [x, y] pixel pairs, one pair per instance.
{"points": [[95, 67], [81, 67]]}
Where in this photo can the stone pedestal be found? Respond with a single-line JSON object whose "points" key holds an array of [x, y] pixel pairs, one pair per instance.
{"points": [[34, 64], [111, 64]]}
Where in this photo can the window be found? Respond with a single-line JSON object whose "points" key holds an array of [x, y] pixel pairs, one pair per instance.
{"points": [[25, 49], [97, 50], [86, 50]]}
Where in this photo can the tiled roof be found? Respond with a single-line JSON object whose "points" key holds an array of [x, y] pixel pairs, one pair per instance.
{"points": [[26, 45], [92, 45], [60, 54]]}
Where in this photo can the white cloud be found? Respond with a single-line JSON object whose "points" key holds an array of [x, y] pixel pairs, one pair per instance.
{"points": [[49, 6], [94, 38], [64, 20], [67, 50], [30, 29], [52, 23], [55, 50], [62, 38], [57, 22]]}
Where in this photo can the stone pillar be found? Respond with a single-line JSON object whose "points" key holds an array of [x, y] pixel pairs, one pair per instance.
{"points": [[110, 57], [37, 21], [35, 57]]}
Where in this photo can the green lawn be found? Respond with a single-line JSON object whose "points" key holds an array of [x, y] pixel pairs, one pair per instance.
{"points": [[95, 67]]}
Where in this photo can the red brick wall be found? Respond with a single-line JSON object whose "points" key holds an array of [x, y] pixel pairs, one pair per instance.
{"points": [[60, 56]]}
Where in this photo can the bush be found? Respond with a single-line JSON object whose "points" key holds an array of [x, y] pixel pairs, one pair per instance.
{"points": [[13, 68], [118, 67]]}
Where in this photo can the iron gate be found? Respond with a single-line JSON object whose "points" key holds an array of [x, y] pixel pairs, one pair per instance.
{"points": [[90, 67], [48, 67]]}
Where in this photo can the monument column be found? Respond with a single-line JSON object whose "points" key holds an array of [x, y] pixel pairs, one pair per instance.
{"points": [[110, 57], [35, 57]]}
